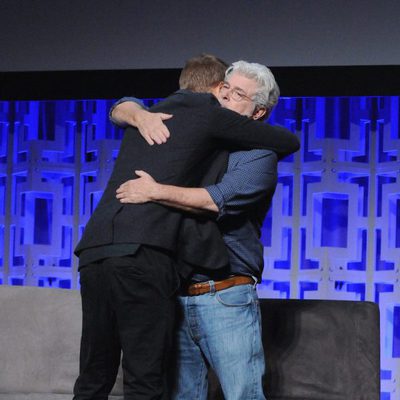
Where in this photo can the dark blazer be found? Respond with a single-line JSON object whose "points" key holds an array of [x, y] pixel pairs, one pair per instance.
{"points": [[199, 128]]}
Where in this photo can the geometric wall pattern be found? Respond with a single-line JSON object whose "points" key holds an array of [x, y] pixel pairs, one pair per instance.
{"points": [[333, 231]]}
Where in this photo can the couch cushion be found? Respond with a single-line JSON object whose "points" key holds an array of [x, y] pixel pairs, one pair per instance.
{"points": [[39, 340]]}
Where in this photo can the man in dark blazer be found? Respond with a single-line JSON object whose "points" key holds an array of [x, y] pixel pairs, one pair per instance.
{"points": [[128, 252]]}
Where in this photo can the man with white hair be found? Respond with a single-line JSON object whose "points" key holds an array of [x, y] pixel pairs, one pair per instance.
{"points": [[220, 316]]}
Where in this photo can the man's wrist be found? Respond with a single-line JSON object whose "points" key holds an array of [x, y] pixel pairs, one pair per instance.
{"points": [[125, 113], [155, 191]]}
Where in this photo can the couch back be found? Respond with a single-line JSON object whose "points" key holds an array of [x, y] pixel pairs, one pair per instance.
{"points": [[314, 349]]}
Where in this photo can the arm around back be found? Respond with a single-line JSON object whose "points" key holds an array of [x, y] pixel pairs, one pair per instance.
{"points": [[244, 133]]}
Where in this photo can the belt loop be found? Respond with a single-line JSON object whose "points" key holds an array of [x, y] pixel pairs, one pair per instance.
{"points": [[255, 282], [212, 288]]}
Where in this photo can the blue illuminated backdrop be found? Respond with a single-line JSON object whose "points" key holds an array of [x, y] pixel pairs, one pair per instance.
{"points": [[333, 231]]}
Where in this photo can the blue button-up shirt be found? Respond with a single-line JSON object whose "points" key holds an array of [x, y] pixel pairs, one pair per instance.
{"points": [[243, 197]]}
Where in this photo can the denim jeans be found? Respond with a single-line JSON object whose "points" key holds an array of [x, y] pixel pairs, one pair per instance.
{"points": [[222, 330]]}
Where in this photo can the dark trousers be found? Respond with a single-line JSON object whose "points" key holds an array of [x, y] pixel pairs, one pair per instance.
{"points": [[128, 305]]}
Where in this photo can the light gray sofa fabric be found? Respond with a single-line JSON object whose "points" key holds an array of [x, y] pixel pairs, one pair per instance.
{"points": [[39, 343]]}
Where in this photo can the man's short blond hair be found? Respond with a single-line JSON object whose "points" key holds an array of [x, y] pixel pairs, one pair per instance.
{"points": [[202, 73]]}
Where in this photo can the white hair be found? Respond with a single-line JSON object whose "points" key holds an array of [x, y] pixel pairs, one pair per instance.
{"points": [[268, 92]]}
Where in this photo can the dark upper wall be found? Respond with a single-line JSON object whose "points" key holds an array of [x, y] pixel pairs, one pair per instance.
{"points": [[44, 35]]}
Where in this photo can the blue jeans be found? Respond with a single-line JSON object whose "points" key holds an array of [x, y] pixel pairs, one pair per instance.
{"points": [[223, 330]]}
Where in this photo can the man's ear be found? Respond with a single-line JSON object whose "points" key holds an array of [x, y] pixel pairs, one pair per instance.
{"points": [[260, 113], [216, 88]]}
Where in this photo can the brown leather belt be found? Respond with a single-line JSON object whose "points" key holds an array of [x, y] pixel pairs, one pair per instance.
{"points": [[196, 289]]}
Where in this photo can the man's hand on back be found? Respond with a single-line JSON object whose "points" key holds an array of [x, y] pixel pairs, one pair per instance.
{"points": [[151, 125], [138, 191]]}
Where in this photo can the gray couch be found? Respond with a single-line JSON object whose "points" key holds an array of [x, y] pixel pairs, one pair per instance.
{"points": [[39, 343], [316, 350]]}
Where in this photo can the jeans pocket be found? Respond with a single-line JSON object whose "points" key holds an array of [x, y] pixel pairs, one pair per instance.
{"points": [[237, 296]]}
